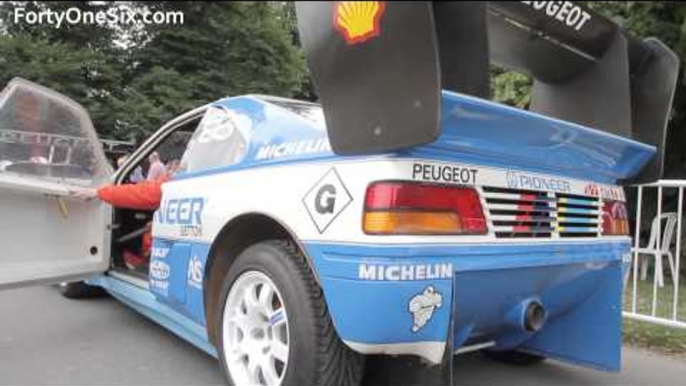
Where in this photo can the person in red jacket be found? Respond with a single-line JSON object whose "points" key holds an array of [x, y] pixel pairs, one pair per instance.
{"points": [[145, 195]]}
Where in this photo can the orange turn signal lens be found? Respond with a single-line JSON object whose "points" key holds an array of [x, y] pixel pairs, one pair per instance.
{"points": [[385, 223]]}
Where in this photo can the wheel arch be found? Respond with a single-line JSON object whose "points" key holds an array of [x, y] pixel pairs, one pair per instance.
{"points": [[238, 234]]}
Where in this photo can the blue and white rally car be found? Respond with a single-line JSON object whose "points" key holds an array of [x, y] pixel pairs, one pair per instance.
{"points": [[442, 223]]}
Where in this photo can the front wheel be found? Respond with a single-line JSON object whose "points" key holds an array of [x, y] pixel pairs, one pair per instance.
{"points": [[275, 328]]}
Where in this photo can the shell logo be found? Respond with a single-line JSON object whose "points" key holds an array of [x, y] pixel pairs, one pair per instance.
{"points": [[358, 21]]}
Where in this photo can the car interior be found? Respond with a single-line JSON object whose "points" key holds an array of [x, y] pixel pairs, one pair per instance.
{"points": [[130, 226]]}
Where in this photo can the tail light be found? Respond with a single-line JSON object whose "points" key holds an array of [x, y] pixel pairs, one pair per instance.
{"points": [[615, 218], [401, 208]]}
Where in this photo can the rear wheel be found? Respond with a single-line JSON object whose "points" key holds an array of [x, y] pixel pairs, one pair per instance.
{"points": [[275, 328], [514, 357], [79, 290]]}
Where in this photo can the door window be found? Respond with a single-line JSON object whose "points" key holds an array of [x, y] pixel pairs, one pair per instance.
{"points": [[48, 136]]}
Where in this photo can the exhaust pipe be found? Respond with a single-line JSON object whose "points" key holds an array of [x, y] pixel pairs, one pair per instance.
{"points": [[534, 316], [527, 316]]}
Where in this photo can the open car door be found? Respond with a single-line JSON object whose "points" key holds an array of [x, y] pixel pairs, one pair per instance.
{"points": [[47, 146]]}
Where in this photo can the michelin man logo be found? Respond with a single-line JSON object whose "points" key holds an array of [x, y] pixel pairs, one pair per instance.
{"points": [[422, 307]]}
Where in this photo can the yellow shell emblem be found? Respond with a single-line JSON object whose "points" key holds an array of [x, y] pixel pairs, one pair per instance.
{"points": [[358, 21]]}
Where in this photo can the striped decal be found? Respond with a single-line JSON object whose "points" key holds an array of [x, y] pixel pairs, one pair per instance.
{"points": [[517, 213]]}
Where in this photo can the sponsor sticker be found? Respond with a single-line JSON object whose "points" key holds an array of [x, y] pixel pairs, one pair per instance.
{"points": [[219, 124], [565, 12], [358, 21], [186, 213], [516, 180], [444, 173], [195, 272], [159, 270], [422, 307], [327, 199], [281, 150], [159, 253], [159, 277], [405, 272], [181, 211], [605, 192], [592, 190]]}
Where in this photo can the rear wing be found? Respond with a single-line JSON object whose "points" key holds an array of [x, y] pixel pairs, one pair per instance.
{"points": [[379, 68]]}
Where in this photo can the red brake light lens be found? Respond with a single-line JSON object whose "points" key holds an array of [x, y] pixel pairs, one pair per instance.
{"points": [[427, 209], [615, 218]]}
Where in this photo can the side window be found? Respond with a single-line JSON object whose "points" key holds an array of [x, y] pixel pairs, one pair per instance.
{"points": [[220, 140], [165, 159]]}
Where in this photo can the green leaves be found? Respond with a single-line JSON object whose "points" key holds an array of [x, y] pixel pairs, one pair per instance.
{"points": [[511, 88], [223, 49], [665, 20], [134, 78]]}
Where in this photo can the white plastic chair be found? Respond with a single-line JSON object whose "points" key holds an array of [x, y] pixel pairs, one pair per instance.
{"points": [[651, 249]]}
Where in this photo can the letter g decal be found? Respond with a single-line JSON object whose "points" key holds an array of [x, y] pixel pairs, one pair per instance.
{"points": [[325, 200]]}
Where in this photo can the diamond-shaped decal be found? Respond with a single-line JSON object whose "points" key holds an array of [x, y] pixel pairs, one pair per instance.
{"points": [[327, 199]]}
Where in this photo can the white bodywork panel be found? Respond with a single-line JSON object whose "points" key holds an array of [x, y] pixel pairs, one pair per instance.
{"points": [[285, 193], [47, 146]]}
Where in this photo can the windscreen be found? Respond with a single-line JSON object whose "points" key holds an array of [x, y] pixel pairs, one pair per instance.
{"points": [[47, 136]]}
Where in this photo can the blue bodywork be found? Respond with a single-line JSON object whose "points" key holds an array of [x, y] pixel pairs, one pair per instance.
{"points": [[486, 133], [147, 304], [579, 284], [473, 131]]}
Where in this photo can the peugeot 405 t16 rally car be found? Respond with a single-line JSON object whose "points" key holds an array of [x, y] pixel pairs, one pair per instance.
{"points": [[408, 215]]}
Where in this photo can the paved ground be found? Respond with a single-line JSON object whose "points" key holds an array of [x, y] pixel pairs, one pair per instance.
{"points": [[48, 340]]}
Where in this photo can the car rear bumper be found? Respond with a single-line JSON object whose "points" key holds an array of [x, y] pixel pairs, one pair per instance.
{"points": [[402, 299]]}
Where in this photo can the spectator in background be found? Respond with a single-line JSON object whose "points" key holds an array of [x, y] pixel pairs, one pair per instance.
{"points": [[157, 170], [172, 167], [121, 160], [137, 175]]}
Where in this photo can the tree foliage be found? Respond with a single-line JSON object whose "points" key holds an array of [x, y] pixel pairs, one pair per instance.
{"points": [[665, 20], [222, 49], [133, 78]]}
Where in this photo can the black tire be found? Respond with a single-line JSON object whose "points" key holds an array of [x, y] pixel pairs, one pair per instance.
{"points": [[316, 354], [80, 290], [516, 358]]}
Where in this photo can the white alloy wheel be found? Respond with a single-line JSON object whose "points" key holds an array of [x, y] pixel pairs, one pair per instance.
{"points": [[255, 331]]}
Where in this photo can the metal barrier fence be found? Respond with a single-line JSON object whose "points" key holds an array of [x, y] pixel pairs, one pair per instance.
{"points": [[659, 301]]}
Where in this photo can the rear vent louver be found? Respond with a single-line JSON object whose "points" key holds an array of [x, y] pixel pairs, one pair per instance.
{"points": [[519, 213]]}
